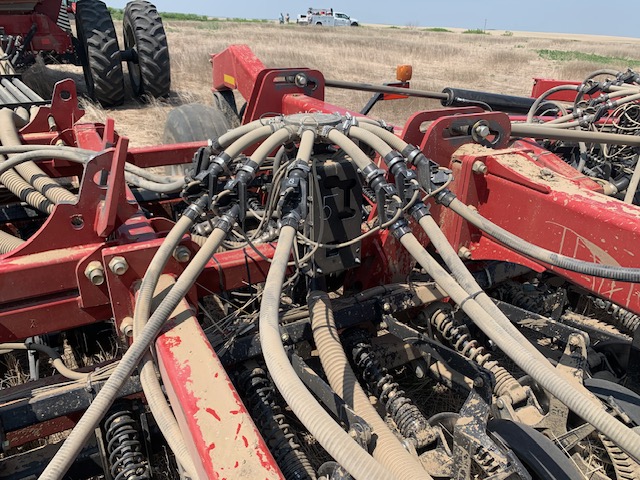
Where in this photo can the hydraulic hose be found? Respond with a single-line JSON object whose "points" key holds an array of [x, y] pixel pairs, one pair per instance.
{"points": [[374, 141], [42, 154], [8, 242], [56, 360], [633, 183], [145, 184], [329, 434], [350, 148], [254, 136], [29, 170], [543, 131], [84, 428], [388, 450], [153, 391], [626, 438], [540, 99], [226, 139], [542, 254], [470, 285], [25, 191]]}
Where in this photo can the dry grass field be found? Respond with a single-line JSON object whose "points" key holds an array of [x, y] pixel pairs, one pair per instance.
{"points": [[502, 62]]}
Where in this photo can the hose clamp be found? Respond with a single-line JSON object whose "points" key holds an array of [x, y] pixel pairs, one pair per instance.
{"points": [[419, 210], [324, 133], [196, 209], [412, 154], [350, 121], [392, 159], [400, 228], [445, 197], [371, 172]]}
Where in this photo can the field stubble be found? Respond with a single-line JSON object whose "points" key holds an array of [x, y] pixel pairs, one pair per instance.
{"points": [[503, 64]]}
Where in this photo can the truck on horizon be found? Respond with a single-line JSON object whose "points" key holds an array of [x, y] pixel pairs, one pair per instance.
{"points": [[326, 17]]}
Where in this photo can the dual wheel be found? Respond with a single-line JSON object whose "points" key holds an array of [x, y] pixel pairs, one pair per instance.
{"points": [[146, 52]]}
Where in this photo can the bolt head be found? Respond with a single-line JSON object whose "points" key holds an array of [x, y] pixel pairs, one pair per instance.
{"points": [[386, 307], [500, 403], [285, 337], [478, 382], [118, 265], [482, 131], [182, 254], [479, 167], [95, 273], [464, 253]]}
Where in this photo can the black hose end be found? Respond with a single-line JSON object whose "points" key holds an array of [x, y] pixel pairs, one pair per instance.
{"points": [[419, 211], [227, 220], [400, 228], [445, 197], [196, 209], [291, 219]]}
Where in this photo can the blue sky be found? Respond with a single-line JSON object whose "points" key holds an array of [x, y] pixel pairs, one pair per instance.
{"points": [[620, 18]]}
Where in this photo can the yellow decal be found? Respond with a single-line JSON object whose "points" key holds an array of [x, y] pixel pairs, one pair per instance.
{"points": [[229, 79]]}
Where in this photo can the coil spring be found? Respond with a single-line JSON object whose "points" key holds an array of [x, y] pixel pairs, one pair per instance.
{"points": [[486, 460], [622, 318], [260, 396], [624, 466], [126, 459], [409, 420], [512, 292], [460, 339]]}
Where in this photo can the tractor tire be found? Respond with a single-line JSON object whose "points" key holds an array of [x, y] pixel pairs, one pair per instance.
{"points": [[99, 53], [194, 122], [225, 101], [150, 68]]}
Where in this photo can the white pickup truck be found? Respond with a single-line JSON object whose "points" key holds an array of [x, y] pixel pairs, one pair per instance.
{"points": [[328, 18]]}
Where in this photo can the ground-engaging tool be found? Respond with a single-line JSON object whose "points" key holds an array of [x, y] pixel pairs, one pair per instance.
{"points": [[283, 305]]}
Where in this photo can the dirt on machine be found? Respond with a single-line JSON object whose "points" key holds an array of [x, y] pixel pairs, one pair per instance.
{"points": [[43, 29], [316, 293]]}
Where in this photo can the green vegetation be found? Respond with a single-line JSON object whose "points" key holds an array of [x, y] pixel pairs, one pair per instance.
{"points": [[507, 33], [248, 20], [118, 14], [477, 31], [437, 29], [566, 56]]}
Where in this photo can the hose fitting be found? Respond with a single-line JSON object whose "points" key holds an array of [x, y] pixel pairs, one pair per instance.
{"points": [[226, 221], [445, 197]]}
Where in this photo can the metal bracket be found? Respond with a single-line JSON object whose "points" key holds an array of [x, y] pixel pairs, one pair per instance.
{"points": [[359, 429]]}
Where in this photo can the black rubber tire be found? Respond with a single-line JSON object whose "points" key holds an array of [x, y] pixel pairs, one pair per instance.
{"points": [[99, 53], [194, 122], [150, 71], [225, 101], [627, 400], [543, 459]]}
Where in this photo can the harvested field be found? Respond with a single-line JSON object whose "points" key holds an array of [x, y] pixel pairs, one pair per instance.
{"points": [[502, 62]]}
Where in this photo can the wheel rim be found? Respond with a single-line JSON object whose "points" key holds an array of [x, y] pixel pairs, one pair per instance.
{"points": [[86, 68], [135, 75]]}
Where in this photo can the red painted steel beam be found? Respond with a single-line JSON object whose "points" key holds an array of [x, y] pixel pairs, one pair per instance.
{"points": [[219, 432], [49, 36], [550, 210], [236, 67]]}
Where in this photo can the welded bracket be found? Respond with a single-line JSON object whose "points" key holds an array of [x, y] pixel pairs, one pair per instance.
{"points": [[359, 429]]}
